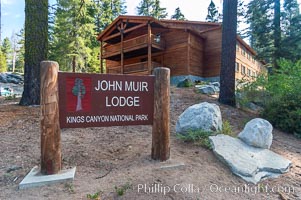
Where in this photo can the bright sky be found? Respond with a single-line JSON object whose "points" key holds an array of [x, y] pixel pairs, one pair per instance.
{"points": [[195, 10], [13, 11]]}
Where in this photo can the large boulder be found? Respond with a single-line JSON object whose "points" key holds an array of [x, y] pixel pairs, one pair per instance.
{"points": [[207, 89], [205, 116], [250, 163], [257, 133]]}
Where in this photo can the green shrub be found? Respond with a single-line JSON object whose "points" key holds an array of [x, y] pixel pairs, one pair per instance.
{"points": [[199, 136], [186, 83], [283, 106], [285, 113], [227, 129], [95, 196], [279, 95], [121, 190]]}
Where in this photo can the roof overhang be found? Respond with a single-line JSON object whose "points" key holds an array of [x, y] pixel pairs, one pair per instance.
{"points": [[130, 22]]}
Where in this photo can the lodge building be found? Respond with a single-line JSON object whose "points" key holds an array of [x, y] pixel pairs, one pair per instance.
{"points": [[138, 44]]}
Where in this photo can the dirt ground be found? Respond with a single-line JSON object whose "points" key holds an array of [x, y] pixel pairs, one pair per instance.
{"points": [[119, 157]]}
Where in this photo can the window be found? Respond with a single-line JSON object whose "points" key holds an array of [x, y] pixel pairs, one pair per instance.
{"points": [[243, 69], [249, 72], [237, 67], [243, 51], [248, 56], [237, 47]]}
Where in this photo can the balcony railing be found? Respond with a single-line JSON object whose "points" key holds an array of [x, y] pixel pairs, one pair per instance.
{"points": [[132, 68], [133, 44]]}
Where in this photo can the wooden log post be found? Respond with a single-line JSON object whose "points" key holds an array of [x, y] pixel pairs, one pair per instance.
{"points": [[161, 124], [50, 127]]}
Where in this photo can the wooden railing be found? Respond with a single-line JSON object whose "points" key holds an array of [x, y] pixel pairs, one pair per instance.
{"points": [[133, 44], [132, 68]]}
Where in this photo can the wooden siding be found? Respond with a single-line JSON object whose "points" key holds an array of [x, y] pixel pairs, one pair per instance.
{"points": [[175, 54], [213, 46], [195, 55]]}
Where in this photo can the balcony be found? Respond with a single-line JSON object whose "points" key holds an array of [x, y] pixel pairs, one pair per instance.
{"points": [[133, 47], [136, 68]]}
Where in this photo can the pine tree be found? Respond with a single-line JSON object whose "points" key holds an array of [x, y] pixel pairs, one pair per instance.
{"points": [[36, 48], [227, 73], [291, 23], [241, 19], [21, 51], [260, 20], [106, 11], [3, 65], [158, 12], [7, 51], [151, 8], [145, 7], [178, 15], [213, 15], [73, 34]]}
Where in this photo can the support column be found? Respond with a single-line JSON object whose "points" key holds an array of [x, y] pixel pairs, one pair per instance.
{"points": [[161, 124], [149, 45], [121, 47], [50, 127], [101, 59]]}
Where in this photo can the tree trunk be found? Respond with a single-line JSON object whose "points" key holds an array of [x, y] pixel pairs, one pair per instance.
{"points": [[14, 59], [227, 73], [0, 27], [36, 48], [277, 32], [73, 64]]}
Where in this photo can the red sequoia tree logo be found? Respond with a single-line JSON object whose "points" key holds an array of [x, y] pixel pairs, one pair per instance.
{"points": [[78, 94], [79, 90]]}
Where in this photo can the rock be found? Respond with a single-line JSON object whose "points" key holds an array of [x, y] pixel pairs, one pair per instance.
{"points": [[250, 163], [208, 89], [3, 78], [216, 89], [85, 154], [257, 133], [205, 116], [254, 107], [216, 84]]}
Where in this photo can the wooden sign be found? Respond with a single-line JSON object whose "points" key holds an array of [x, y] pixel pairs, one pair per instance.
{"points": [[97, 100]]}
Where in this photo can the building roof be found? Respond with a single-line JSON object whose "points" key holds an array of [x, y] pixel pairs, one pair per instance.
{"points": [[131, 20]]}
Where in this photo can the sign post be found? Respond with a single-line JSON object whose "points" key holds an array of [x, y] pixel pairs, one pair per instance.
{"points": [[97, 100], [50, 127], [161, 124]]}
